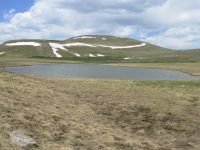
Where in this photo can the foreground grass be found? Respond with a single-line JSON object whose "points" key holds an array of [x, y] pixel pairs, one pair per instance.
{"points": [[100, 114]]}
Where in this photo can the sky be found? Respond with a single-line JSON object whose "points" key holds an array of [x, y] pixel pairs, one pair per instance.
{"points": [[167, 23], [10, 7]]}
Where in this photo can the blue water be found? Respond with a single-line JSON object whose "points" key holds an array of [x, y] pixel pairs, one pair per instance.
{"points": [[100, 72]]}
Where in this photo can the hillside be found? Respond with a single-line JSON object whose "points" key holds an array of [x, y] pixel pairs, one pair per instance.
{"points": [[95, 48]]}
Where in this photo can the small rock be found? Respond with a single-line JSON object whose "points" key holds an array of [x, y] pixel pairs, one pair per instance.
{"points": [[19, 138]]}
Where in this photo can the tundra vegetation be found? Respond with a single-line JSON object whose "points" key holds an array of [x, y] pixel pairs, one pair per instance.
{"points": [[61, 113]]}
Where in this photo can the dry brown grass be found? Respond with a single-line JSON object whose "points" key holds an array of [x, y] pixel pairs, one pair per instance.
{"points": [[100, 114]]}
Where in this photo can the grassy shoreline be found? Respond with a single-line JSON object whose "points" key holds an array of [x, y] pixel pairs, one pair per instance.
{"points": [[189, 68]]}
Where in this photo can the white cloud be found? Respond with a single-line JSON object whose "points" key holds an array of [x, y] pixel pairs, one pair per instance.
{"points": [[124, 31], [180, 20], [169, 23], [9, 14], [178, 38]]}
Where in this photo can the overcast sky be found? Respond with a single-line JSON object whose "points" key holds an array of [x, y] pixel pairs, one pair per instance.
{"points": [[169, 23]]}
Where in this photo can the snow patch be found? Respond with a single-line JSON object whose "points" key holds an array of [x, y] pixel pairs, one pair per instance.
{"points": [[85, 37], [2, 53], [123, 47], [127, 58], [23, 44], [55, 52], [91, 55], [96, 45], [76, 54], [57, 45], [104, 39], [100, 55], [78, 44]]}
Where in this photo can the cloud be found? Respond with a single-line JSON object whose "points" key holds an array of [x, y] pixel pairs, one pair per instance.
{"points": [[178, 38], [9, 14], [168, 23], [107, 5]]}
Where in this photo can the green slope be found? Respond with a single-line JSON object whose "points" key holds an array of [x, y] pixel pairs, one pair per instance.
{"points": [[148, 53]]}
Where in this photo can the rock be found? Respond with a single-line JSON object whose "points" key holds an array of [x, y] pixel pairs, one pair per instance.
{"points": [[19, 138]]}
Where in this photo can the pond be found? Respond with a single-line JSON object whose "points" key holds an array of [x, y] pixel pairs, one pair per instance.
{"points": [[93, 71]]}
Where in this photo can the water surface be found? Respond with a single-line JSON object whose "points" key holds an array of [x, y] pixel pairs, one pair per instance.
{"points": [[101, 72]]}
